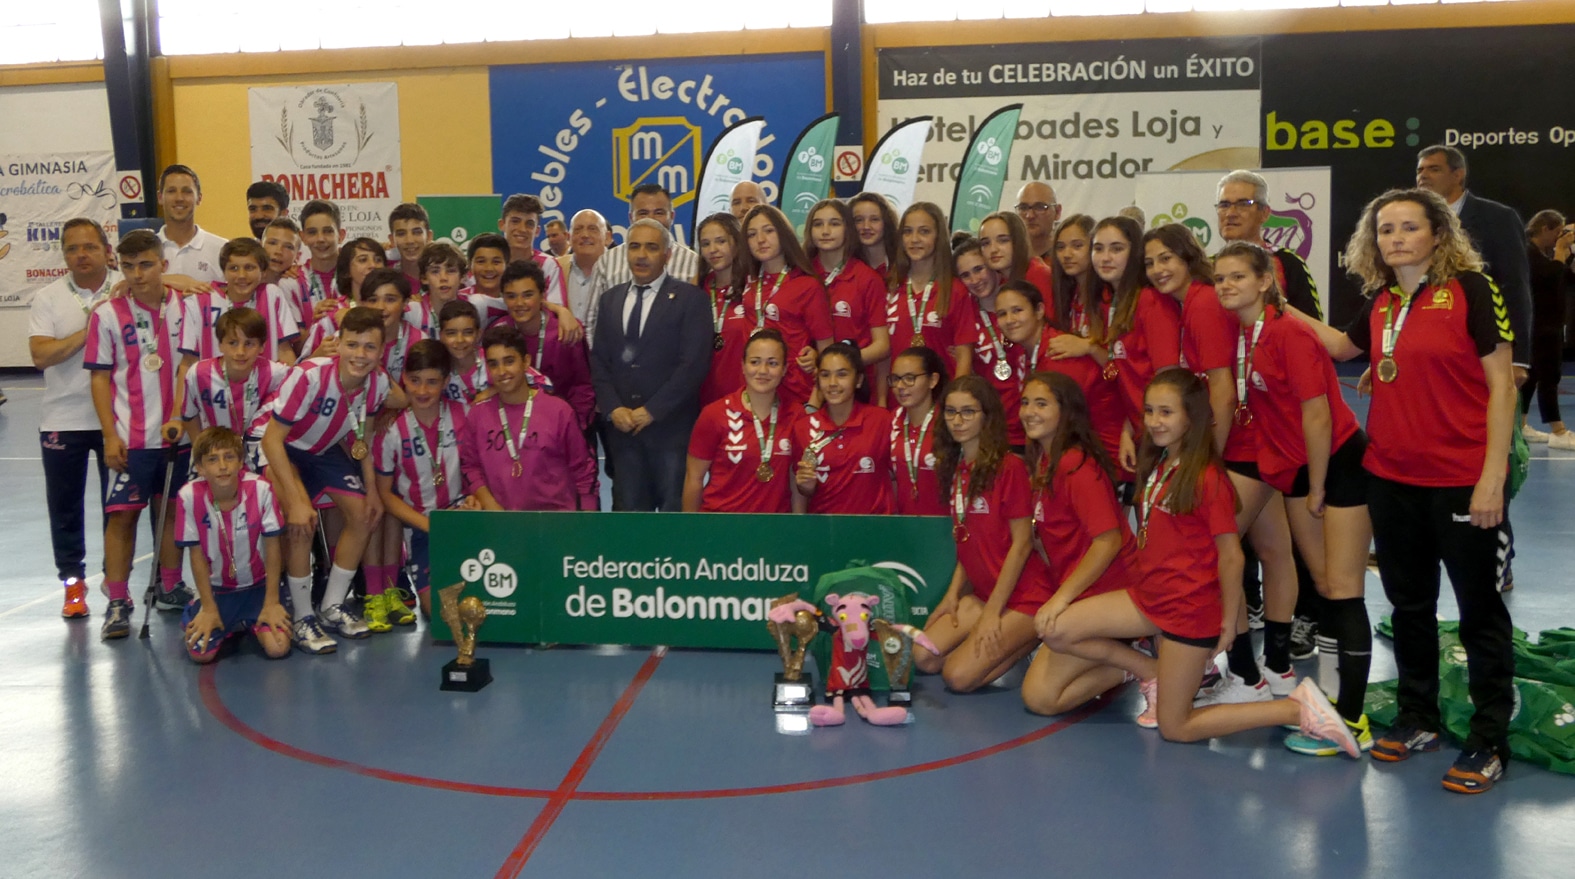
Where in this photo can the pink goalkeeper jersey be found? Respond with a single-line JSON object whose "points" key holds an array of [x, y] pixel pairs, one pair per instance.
{"points": [[200, 311], [318, 410], [415, 455], [243, 406], [126, 337], [231, 541]]}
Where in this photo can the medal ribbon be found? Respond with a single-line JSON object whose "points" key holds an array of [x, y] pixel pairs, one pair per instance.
{"points": [[917, 316], [1395, 320], [987, 321], [960, 493], [94, 297], [508, 437], [719, 305], [1157, 482], [767, 441], [1244, 352], [243, 395], [761, 297], [226, 541], [913, 448], [434, 439]]}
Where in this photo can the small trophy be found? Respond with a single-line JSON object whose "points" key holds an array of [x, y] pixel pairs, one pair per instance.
{"points": [[464, 617], [898, 659], [794, 690]]}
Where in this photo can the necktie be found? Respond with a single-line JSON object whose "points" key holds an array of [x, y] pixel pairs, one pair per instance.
{"points": [[631, 331]]}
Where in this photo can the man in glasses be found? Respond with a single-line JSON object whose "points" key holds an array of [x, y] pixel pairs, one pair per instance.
{"points": [[1037, 206], [1243, 206]]}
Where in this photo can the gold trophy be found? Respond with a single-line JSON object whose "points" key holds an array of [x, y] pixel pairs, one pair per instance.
{"points": [[898, 659], [793, 691], [464, 617]]}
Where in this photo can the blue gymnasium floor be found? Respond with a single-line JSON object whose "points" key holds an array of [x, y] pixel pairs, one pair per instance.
{"points": [[125, 760]]}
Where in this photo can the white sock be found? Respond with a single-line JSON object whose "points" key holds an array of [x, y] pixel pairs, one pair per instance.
{"points": [[338, 586], [1328, 665], [300, 595]]}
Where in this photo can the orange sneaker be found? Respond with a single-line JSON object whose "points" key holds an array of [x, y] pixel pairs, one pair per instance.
{"points": [[76, 606]]}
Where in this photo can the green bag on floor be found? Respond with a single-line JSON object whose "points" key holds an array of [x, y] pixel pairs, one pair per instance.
{"points": [[1519, 460]]}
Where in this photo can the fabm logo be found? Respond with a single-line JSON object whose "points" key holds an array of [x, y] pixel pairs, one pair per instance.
{"points": [[657, 149], [1179, 213], [895, 159]]}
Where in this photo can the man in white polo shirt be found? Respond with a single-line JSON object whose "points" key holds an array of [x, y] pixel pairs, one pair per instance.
{"points": [[187, 248], [70, 430]]}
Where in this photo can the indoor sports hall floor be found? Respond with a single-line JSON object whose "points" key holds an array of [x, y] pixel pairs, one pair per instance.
{"points": [[125, 760]]}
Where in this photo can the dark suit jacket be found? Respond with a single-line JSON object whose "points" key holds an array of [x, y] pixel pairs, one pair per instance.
{"points": [[664, 368], [1500, 237]]}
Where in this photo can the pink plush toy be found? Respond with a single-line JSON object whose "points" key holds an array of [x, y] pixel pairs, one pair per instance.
{"points": [[848, 677]]}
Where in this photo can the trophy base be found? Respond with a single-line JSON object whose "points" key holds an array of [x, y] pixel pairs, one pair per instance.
{"points": [[903, 698], [467, 679], [796, 695]]}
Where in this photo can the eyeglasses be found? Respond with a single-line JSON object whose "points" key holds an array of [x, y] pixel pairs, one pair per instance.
{"points": [[1038, 207], [1245, 204], [905, 380], [960, 414]]}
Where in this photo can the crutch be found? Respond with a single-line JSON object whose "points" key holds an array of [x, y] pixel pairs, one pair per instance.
{"points": [[171, 453]]}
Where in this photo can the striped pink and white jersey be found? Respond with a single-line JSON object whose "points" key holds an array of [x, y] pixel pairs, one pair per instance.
{"points": [[231, 541], [491, 308], [200, 311], [464, 384], [316, 287], [290, 285], [123, 336], [243, 406], [318, 410], [395, 350], [414, 455], [419, 314]]}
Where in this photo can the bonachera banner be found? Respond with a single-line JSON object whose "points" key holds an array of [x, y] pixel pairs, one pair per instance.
{"points": [[683, 580]]}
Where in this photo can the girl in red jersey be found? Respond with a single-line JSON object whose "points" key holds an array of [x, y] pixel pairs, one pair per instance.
{"points": [[876, 225], [985, 624], [1144, 335], [1210, 338], [1021, 313], [754, 475], [925, 303], [857, 293], [1188, 585], [722, 247], [1310, 449], [1081, 528], [1082, 303], [1004, 240], [992, 351], [844, 465], [1439, 429], [785, 294], [917, 375]]}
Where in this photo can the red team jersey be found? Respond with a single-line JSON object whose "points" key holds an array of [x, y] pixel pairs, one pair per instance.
{"points": [[1040, 275], [415, 454], [918, 491], [853, 466], [726, 375], [1078, 505], [799, 310], [1208, 341], [122, 336], [232, 539], [1428, 427], [724, 434], [319, 412], [1290, 366], [1153, 343], [200, 311], [991, 347], [988, 521], [1104, 400], [212, 400], [1178, 583], [858, 301], [941, 331]]}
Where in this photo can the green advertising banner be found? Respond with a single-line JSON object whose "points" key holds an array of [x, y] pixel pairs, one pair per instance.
{"points": [[983, 176], [806, 176], [683, 580], [458, 218]]}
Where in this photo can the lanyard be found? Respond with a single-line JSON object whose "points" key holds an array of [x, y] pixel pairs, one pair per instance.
{"points": [[761, 297], [94, 297], [434, 438], [244, 395], [834, 273], [1157, 482], [1079, 317], [960, 500], [767, 441], [719, 305], [917, 317], [1395, 319], [226, 541], [912, 448], [147, 340], [508, 437], [1244, 354], [826, 439], [541, 338], [987, 321]]}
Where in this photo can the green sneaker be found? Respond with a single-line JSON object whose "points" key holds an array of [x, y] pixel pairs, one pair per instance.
{"points": [[1302, 743], [398, 610], [375, 613]]}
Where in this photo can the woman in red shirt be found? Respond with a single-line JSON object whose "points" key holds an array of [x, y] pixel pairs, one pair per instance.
{"points": [[925, 303], [917, 375], [1021, 313], [785, 294], [1188, 587], [857, 293], [1082, 304], [1081, 528], [1210, 338], [1004, 240], [1144, 335], [1438, 447], [992, 351], [722, 247], [1310, 449], [753, 475], [844, 465], [876, 225], [985, 623]]}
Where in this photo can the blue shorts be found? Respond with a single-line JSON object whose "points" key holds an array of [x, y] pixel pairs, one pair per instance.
{"points": [[332, 472], [143, 479], [238, 609], [421, 558]]}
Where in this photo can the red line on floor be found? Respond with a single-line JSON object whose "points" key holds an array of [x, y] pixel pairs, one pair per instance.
{"points": [[206, 683], [571, 782]]}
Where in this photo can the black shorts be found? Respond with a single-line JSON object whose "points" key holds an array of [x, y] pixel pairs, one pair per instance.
{"points": [[1248, 469], [1345, 485], [1192, 642]]}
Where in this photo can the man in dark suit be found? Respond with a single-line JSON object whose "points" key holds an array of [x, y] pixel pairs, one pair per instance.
{"points": [[651, 353]]}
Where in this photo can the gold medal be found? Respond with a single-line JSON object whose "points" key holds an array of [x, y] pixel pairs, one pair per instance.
{"points": [[358, 451], [1388, 370], [1243, 416], [153, 363], [1143, 537], [1111, 370], [918, 340], [764, 472]]}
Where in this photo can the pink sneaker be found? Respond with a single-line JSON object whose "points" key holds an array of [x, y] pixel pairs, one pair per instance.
{"points": [[1150, 690], [1321, 721]]}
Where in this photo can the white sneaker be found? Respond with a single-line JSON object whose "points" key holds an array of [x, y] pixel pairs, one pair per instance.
{"points": [[310, 637], [1280, 685], [344, 621], [1534, 435], [1232, 690], [1564, 441]]}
